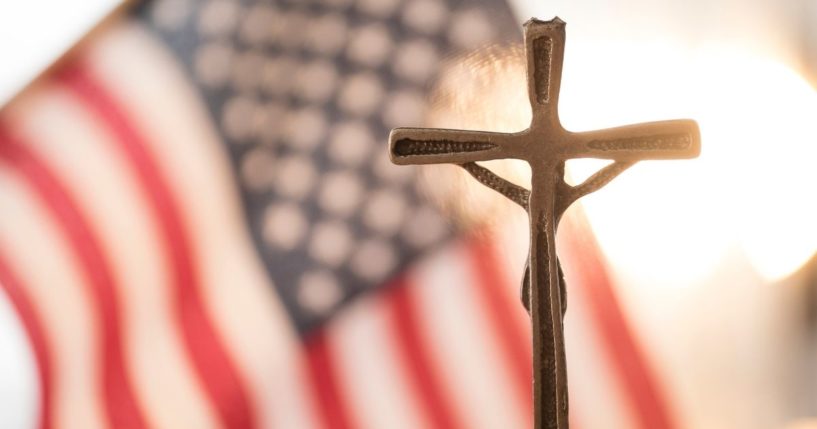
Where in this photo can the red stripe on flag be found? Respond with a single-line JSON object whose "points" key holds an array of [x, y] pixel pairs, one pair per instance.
{"points": [[333, 408], [120, 402], [425, 381], [36, 335], [515, 345], [214, 366], [631, 367]]}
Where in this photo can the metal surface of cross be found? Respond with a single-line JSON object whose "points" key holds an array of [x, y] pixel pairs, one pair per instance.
{"points": [[546, 145]]}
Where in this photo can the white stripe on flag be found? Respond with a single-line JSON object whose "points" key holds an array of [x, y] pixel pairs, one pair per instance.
{"points": [[370, 376], [20, 389], [85, 158], [238, 295], [35, 249], [591, 387], [456, 327]]}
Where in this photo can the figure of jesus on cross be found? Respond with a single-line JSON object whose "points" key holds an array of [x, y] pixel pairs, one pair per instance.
{"points": [[545, 145]]}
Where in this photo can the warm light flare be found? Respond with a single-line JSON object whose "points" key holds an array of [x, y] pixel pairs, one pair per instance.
{"points": [[670, 222], [753, 185]]}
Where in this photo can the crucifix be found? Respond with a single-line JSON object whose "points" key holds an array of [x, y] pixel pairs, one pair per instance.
{"points": [[546, 145]]}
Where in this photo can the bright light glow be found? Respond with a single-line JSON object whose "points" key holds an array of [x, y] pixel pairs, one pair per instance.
{"points": [[753, 185], [666, 222]]}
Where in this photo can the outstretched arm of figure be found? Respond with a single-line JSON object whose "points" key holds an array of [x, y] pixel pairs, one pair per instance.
{"points": [[513, 192], [569, 194]]}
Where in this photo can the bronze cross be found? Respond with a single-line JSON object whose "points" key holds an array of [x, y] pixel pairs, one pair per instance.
{"points": [[545, 145]]}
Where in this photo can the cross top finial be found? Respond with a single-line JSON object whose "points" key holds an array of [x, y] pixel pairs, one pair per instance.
{"points": [[546, 145], [544, 42]]}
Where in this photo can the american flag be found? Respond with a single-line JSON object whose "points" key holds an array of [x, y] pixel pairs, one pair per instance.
{"points": [[200, 228]]}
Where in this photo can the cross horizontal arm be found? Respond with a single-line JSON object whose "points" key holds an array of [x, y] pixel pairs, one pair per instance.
{"points": [[439, 146], [678, 139]]}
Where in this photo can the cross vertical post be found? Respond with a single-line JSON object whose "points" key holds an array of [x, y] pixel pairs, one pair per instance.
{"points": [[546, 145], [544, 49]]}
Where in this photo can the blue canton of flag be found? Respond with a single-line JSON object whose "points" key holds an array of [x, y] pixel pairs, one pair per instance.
{"points": [[305, 93]]}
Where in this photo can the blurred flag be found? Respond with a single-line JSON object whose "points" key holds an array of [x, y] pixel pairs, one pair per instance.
{"points": [[200, 228]]}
